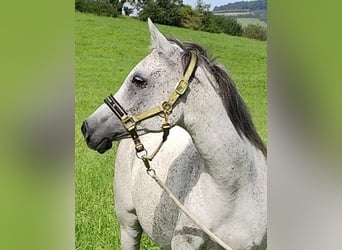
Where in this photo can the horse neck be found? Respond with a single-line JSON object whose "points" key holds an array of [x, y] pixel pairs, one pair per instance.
{"points": [[228, 157]]}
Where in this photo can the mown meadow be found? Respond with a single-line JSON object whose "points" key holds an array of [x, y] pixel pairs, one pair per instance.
{"points": [[106, 49]]}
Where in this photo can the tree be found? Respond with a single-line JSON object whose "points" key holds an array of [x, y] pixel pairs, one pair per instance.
{"points": [[100, 7], [191, 18], [162, 12], [202, 7]]}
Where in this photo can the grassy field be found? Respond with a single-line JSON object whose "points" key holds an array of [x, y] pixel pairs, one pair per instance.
{"points": [[106, 50], [246, 21]]}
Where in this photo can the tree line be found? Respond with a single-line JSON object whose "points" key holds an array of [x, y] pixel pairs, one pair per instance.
{"points": [[168, 12]]}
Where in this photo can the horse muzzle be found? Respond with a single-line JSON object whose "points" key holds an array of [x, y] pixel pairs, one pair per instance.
{"points": [[104, 145], [100, 146]]}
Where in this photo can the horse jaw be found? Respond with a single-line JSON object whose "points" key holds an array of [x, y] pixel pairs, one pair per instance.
{"points": [[159, 41]]}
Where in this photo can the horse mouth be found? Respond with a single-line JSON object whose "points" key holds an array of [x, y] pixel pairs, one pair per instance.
{"points": [[104, 145]]}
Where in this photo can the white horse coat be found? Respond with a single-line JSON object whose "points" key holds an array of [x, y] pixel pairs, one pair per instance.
{"points": [[215, 164]]}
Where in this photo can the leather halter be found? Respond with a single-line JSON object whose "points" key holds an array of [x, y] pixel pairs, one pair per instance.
{"points": [[129, 121]]}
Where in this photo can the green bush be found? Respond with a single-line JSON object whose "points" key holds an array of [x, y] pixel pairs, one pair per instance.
{"points": [[161, 12], [255, 31], [100, 7], [190, 18], [201, 19], [81, 5], [221, 24]]}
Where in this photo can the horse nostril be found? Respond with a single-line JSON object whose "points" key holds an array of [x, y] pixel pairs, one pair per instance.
{"points": [[84, 128], [85, 131]]}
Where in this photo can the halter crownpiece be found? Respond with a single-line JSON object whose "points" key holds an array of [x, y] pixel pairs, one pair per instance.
{"points": [[129, 122]]}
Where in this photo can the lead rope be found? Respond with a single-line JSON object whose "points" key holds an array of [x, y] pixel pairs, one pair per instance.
{"points": [[151, 172]]}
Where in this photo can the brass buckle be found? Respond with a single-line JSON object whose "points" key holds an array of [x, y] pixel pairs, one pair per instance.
{"points": [[166, 108], [181, 87], [128, 122]]}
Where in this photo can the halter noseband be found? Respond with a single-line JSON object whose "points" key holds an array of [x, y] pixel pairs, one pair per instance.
{"points": [[129, 122]]}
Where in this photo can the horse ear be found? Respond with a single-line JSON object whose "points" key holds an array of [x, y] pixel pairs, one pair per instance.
{"points": [[159, 41]]}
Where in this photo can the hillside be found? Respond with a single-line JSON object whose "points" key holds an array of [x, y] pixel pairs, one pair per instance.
{"points": [[243, 5], [251, 9]]}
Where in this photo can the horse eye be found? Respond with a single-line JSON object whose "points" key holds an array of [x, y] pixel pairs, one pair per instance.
{"points": [[140, 82]]}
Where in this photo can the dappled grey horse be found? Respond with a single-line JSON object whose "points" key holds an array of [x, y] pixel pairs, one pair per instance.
{"points": [[213, 159]]}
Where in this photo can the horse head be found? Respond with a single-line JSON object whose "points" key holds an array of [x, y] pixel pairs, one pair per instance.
{"points": [[148, 85]]}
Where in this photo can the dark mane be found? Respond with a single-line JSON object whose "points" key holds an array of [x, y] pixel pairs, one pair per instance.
{"points": [[233, 102]]}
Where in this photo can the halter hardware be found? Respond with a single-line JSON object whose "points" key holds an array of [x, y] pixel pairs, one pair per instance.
{"points": [[165, 109]]}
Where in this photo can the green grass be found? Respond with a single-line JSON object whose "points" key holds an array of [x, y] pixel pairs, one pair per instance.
{"points": [[244, 21], [106, 51]]}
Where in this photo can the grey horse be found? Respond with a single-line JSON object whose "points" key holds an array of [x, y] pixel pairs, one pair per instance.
{"points": [[214, 160]]}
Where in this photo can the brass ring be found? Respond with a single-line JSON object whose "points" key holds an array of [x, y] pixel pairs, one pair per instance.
{"points": [[143, 154]]}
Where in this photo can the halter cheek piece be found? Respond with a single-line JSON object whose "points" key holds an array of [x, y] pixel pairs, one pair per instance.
{"points": [[165, 109]]}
